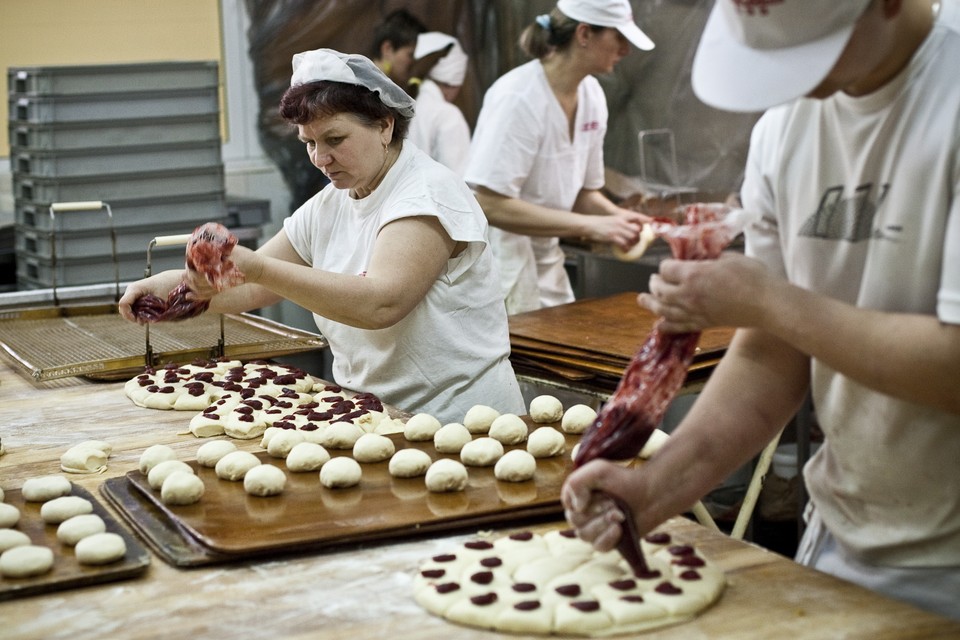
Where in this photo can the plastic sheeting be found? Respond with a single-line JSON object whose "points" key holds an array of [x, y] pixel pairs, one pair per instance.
{"points": [[647, 90]]}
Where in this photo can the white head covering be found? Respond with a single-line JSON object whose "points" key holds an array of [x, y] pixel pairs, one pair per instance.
{"points": [[754, 57], [349, 68], [451, 68], [616, 14]]}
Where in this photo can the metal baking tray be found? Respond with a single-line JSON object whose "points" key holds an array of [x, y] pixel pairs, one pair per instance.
{"points": [[94, 341]]}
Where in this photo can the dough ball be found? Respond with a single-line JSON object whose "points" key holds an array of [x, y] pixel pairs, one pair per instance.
{"points": [[59, 509], [479, 418], [515, 466], [446, 475], [181, 488], [482, 452], [154, 455], [235, 465], [654, 442], [509, 428], [307, 456], [265, 480], [450, 438], [162, 470], [409, 463], [546, 442], [283, 442], [209, 453], [636, 251], [421, 427], [341, 473], [545, 408], [577, 419], [10, 538], [9, 515], [101, 548], [45, 488], [83, 458], [267, 434], [371, 447], [340, 435], [25, 561], [73, 530]]}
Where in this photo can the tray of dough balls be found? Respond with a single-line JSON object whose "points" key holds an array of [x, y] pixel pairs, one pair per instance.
{"points": [[308, 490], [55, 535]]}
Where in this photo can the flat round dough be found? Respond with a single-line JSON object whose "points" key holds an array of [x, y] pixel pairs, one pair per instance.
{"points": [[341, 473], [209, 453], [482, 452], [307, 456], [162, 470], [450, 438], [509, 428], [83, 458], [409, 463], [479, 417], [235, 465], [181, 488], [372, 447], [101, 548], [546, 408], [102, 445], [26, 561], [421, 428], [265, 480], [45, 488], [75, 529], [515, 466], [10, 538], [577, 419], [340, 435], [9, 515], [282, 442], [63, 508], [546, 442], [155, 454], [446, 475]]}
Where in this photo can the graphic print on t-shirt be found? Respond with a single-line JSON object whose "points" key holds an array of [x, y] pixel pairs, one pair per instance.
{"points": [[850, 219]]}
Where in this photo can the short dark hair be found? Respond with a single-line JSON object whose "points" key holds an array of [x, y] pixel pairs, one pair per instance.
{"points": [[400, 28], [303, 103]]}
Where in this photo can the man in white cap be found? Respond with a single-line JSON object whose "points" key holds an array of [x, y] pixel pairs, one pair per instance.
{"points": [[439, 128], [851, 292]]}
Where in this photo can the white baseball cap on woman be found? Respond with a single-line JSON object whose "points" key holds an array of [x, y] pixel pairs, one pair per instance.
{"points": [[760, 53], [616, 14]]}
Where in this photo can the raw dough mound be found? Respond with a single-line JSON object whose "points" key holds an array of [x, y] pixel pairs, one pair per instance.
{"points": [[446, 475], [340, 473], [45, 488], [307, 456], [508, 428], [657, 439], [181, 488], [546, 442], [10, 538], [209, 453], [282, 442], [83, 459], [162, 470], [340, 435], [63, 508], [75, 529], [409, 463], [479, 418], [265, 480], [482, 452], [235, 465], [450, 438], [577, 418], [421, 427], [545, 408], [515, 466], [153, 455], [371, 447], [9, 515], [25, 561], [101, 548]]}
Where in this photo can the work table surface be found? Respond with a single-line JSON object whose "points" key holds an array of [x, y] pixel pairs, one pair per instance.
{"points": [[359, 591]]}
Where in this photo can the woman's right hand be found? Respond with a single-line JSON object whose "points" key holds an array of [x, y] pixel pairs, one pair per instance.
{"points": [[159, 285], [622, 231]]}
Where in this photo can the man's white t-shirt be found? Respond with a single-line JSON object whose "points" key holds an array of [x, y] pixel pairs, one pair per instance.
{"points": [[522, 148], [440, 129], [452, 351], [860, 202]]}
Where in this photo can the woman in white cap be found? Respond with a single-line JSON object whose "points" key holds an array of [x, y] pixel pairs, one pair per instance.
{"points": [[439, 127], [390, 256], [850, 292], [536, 158]]}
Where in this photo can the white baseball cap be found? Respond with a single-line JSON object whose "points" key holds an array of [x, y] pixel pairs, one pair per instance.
{"points": [[607, 13], [451, 68], [754, 55]]}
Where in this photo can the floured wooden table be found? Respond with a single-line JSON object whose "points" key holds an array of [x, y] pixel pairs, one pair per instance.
{"points": [[359, 591]]}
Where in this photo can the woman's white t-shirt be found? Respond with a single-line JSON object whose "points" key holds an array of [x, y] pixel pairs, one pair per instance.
{"points": [[452, 351], [440, 129]]}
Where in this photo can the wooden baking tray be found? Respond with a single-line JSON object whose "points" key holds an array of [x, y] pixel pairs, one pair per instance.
{"points": [[94, 341], [227, 524], [67, 573]]}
